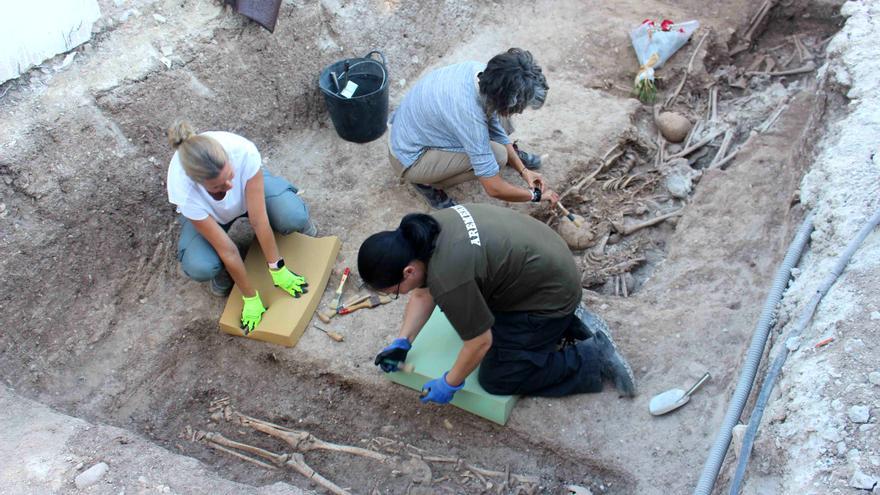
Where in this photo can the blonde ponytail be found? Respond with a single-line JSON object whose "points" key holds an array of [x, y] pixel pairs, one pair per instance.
{"points": [[179, 132], [202, 158]]}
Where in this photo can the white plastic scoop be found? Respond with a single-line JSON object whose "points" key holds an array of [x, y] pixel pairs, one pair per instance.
{"points": [[674, 398]]}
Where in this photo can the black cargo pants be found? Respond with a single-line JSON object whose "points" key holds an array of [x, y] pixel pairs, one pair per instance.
{"points": [[525, 358]]}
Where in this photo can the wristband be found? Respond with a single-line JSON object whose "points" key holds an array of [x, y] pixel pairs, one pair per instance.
{"points": [[536, 195], [277, 265]]}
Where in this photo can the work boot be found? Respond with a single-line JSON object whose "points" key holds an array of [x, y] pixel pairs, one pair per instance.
{"points": [[613, 365], [593, 322], [311, 229], [437, 198], [530, 160], [221, 284]]}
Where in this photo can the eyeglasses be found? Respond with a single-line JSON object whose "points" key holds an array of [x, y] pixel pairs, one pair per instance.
{"points": [[396, 292]]}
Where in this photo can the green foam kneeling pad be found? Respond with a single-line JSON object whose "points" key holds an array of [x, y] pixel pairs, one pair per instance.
{"points": [[433, 353]]}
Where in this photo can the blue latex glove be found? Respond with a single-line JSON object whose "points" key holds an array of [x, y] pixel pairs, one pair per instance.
{"points": [[439, 391], [393, 354]]}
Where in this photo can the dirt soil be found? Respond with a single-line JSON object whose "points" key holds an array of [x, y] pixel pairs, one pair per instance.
{"points": [[101, 325]]}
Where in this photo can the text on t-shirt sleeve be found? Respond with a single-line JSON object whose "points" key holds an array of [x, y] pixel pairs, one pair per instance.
{"points": [[466, 310]]}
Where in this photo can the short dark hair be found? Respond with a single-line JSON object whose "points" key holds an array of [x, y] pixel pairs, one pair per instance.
{"points": [[511, 82], [384, 255]]}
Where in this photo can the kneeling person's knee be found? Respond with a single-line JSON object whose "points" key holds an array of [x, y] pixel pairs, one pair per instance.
{"points": [[287, 213], [493, 382], [201, 269]]}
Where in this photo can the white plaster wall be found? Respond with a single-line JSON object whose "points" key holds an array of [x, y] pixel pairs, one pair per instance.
{"points": [[33, 30]]}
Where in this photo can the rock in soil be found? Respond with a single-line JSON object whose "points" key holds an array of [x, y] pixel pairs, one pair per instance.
{"points": [[862, 481], [91, 475], [680, 178], [859, 414]]}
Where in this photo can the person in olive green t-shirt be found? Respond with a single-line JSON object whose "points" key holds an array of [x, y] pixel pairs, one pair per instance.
{"points": [[509, 286]]}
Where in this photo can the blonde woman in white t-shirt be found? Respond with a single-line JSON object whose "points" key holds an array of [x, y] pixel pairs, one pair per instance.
{"points": [[214, 178]]}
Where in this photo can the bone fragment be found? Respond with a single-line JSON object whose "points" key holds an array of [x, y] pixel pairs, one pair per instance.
{"points": [[298, 463], [808, 67], [690, 67], [240, 456], [612, 154], [722, 150], [765, 126], [694, 147], [727, 159], [713, 104], [695, 131], [758, 19], [303, 441], [624, 230], [277, 459]]}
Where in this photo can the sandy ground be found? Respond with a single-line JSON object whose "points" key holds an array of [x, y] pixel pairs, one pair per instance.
{"points": [[106, 329]]}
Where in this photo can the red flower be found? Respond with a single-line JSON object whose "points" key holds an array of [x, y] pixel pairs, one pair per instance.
{"points": [[666, 24], [648, 22]]}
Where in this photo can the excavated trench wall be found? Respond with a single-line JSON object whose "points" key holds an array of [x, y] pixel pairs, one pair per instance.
{"points": [[105, 328]]}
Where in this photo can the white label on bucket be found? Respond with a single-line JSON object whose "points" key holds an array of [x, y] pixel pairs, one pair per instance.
{"points": [[349, 89]]}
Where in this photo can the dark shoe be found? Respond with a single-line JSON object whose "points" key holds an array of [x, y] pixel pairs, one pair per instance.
{"points": [[435, 197], [612, 364], [531, 161], [221, 284]]}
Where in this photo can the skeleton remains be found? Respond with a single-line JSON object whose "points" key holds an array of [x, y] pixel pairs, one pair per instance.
{"points": [[401, 458]]}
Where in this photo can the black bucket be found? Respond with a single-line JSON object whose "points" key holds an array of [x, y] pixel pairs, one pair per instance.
{"points": [[363, 116]]}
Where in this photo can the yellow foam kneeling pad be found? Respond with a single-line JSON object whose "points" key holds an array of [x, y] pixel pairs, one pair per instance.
{"points": [[433, 353], [286, 317]]}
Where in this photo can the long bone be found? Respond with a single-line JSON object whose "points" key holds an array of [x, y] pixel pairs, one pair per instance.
{"points": [[295, 461], [303, 441], [627, 230]]}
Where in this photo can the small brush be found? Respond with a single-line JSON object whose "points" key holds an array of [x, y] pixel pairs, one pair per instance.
{"points": [[569, 215]]}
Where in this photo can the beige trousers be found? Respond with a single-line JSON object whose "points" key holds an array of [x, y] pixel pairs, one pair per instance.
{"points": [[444, 169]]}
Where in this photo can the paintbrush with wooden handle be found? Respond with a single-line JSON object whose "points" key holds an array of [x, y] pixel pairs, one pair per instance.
{"points": [[326, 316], [372, 302]]}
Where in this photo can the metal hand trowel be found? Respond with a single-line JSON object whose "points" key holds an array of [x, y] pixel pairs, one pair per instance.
{"points": [[674, 398]]}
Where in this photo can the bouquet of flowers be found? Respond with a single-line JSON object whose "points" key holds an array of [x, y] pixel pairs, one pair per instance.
{"points": [[654, 45]]}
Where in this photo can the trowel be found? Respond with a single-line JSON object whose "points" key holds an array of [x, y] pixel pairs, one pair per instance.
{"points": [[674, 398]]}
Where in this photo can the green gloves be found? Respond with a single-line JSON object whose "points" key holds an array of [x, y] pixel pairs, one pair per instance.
{"points": [[252, 313], [288, 281]]}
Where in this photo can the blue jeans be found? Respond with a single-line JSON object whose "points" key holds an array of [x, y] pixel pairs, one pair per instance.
{"points": [[286, 211]]}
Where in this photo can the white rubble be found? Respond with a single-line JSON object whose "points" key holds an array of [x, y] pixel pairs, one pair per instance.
{"points": [[859, 414], [91, 475]]}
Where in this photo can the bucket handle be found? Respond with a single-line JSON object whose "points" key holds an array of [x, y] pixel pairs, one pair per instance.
{"points": [[370, 55]]}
